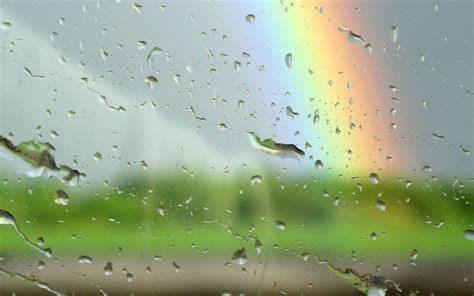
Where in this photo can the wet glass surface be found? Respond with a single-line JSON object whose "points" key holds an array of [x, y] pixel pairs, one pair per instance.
{"points": [[236, 148]]}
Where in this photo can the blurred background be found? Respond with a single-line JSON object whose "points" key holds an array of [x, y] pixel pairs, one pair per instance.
{"points": [[161, 110]]}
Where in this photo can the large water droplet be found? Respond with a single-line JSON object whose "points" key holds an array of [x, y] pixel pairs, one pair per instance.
{"points": [[61, 198], [270, 147], [40, 161]]}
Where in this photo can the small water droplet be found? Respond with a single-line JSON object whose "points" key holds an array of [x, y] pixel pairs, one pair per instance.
{"points": [[85, 259], [97, 156], [239, 257], [280, 225], [256, 179], [369, 47], [289, 60], [439, 137], [464, 150], [250, 18], [6, 218], [157, 258], [373, 236], [177, 78], [6, 26], [141, 44], [380, 205], [40, 241], [222, 126], [394, 30], [137, 8], [304, 256], [108, 269], [151, 81], [161, 209], [258, 246], [176, 267], [319, 164], [413, 256], [290, 112], [237, 65]]}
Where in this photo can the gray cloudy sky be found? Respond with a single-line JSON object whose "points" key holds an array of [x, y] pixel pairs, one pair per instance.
{"points": [[168, 136]]}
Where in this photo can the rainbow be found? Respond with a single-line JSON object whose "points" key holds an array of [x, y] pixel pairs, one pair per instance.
{"points": [[339, 89]]}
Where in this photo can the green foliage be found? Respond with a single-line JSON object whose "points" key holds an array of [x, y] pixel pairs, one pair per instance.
{"points": [[102, 218]]}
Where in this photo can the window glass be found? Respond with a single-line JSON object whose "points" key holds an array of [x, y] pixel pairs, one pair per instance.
{"points": [[236, 147]]}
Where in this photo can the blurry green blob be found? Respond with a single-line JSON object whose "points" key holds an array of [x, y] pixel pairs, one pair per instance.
{"points": [[40, 161], [270, 147], [368, 284]]}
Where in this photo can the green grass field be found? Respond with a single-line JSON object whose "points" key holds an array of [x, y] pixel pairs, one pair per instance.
{"points": [[102, 219]]}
